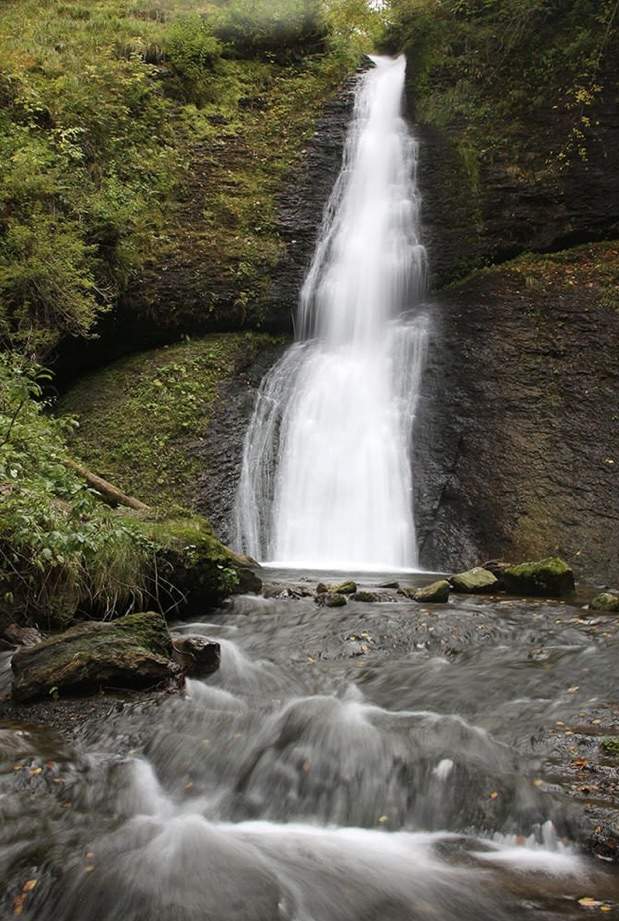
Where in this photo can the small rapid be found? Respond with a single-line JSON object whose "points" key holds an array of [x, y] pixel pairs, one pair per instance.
{"points": [[326, 479], [387, 763]]}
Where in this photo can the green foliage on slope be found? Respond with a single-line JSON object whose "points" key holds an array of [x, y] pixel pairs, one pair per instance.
{"points": [[140, 416], [101, 105]]}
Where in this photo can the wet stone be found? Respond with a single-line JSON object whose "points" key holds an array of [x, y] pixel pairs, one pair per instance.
{"points": [[474, 581], [197, 655], [606, 601]]}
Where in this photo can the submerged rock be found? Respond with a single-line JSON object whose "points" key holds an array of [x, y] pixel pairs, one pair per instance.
{"points": [[606, 601], [133, 651], [435, 593], [197, 655], [474, 581], [344, 588], [550, 577]]}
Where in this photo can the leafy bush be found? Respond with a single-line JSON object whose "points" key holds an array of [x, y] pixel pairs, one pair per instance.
{"points": [[193, 52], [281, 29], [61, 549]]}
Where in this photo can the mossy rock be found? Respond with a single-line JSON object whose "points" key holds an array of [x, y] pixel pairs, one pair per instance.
{"points": [[549, 577], [133, 651], [606, 601], [367, 597], [195, 571], [475, 581], [434, 593], [331, 600], [344, 588], [610, 745]]}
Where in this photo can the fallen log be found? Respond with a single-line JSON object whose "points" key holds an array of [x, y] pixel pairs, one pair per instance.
{"points": [[108, 492]]}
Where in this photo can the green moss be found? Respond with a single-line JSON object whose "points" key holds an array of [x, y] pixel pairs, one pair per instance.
{"points": [[138, 416], [610, 745], [550, 576]]}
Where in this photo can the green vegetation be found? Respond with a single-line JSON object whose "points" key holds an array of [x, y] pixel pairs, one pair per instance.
{"points": [[60, 547], [104, 108], [138, 416], [491, 67], [132, 135], [63, 553]]}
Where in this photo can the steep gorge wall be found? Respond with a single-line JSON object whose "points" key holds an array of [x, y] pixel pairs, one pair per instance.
{"points": [[517, 434]]}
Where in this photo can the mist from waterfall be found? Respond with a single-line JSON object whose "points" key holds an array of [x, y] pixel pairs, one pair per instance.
{"points": [[326, 480]]}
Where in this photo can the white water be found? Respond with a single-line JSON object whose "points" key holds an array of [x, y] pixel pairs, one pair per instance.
{"points": [[327, 479]]}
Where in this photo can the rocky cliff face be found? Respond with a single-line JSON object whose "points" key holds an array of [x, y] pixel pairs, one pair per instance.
{"points": [[483, 207], [517, 435]]}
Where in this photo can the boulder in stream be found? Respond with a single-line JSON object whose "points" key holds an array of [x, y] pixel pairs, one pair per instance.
{"points": [[606, 601], [434, 593], [368, 597], [331, 600], [475, 581], [549, 577], [134, 651], [344, 588], [197, 655]]}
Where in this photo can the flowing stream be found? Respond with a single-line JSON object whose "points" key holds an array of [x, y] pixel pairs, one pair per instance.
{"points": [[326, 479], [387, 763]]}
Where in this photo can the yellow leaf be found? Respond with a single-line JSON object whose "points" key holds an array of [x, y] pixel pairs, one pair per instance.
{"points": [[588, 902], [29, 885]]}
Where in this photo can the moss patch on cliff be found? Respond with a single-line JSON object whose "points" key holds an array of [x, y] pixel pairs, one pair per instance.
{"points": [[139, 417]]}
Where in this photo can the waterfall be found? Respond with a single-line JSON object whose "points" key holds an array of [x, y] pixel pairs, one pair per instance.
{"points": [[326, 479]]}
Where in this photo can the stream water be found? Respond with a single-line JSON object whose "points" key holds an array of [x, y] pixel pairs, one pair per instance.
{"points": [[381, 762], [327, 477]]}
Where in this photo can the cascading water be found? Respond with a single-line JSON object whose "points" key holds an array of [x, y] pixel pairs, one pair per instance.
{"points": [[326, 479]]}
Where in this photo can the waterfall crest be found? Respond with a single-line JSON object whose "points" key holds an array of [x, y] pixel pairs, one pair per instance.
{"points": [[326, 479]]}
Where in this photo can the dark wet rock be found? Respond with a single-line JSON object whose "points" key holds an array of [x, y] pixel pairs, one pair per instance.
{"points": [[197, 655], [287, 591], [512, 450], [331, 600], [394, 585], [549, 577], [21, 636], [475, 581], [344, 588], [321, 588], [369, 597], [133, 651], [606, 601], [434, 593]]}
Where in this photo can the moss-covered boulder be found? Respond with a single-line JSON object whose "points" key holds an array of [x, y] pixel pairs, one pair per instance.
{"points": [[475, 581], [606, 601], [344, 588], [550, 577], [434, 593], [194, 570], [367, 597], [134, 651], [331, 600]]}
